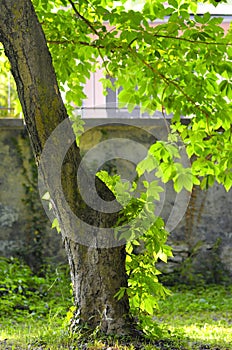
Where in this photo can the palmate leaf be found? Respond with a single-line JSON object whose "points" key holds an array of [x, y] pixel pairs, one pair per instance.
{"points": [[153, 189], [148, 164], [184, 178], [166, 172], [148, 305]]}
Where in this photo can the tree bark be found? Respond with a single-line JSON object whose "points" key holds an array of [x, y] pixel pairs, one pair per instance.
{"points": [[97, 273]]}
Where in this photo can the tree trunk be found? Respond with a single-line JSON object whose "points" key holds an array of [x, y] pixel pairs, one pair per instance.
{"points": [[97, 272]]}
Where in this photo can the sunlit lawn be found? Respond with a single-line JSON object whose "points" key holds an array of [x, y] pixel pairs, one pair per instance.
{"points": [[191, 318], [203, 314]]}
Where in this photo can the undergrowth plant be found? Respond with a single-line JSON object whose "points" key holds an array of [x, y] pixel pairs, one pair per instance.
{"points": [[25, 295]]}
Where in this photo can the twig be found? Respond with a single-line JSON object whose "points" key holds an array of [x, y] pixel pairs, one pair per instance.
{"points": [[163, 110], [89, 24], [191, 41], [169, 81], [84, 43]]}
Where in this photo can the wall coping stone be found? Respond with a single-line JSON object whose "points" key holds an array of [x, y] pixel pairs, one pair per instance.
{"points": [[11, 123], [93, 122]]}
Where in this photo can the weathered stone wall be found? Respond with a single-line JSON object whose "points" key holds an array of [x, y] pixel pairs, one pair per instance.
{"points": [[24, 228], [202, 241], [13, 215]]}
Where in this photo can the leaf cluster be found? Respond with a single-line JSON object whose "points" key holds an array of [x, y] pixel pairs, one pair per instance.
{"points": [[163, 57], [146, 244]]}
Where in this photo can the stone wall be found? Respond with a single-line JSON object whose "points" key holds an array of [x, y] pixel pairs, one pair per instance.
{"points": [[25, 230], [202, 241]]}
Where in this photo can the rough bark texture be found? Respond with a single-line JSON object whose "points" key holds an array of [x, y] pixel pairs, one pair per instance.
{"points": [[96, 273]]}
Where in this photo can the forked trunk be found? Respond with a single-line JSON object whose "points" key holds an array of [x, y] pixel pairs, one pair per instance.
{"points": [[97, 273]]}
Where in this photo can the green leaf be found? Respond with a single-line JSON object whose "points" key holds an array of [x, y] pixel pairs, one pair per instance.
{"points": [[148, 164], [124, 97], [223, 85], [183, 179], [148, 304], [173, 150], [46, 196], [228, 181], [202, 19], [153, 190], [119, 295], [55, 224], [162, 256], [193, 6], [173, 3], [166, 172]]}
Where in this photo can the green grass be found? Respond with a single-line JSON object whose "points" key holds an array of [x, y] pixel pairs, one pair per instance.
{"points": [[33, 315], [202, 314]]}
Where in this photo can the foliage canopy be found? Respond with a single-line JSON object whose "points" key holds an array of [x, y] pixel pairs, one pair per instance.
{"points": [[165, 57]]}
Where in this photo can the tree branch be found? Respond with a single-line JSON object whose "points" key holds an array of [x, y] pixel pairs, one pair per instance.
{"points": [[190, 40], [73, 42], [89, 24], [169, 81]]}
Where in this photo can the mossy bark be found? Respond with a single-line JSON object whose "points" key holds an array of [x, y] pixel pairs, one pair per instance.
{"points": [[97, 273]]}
